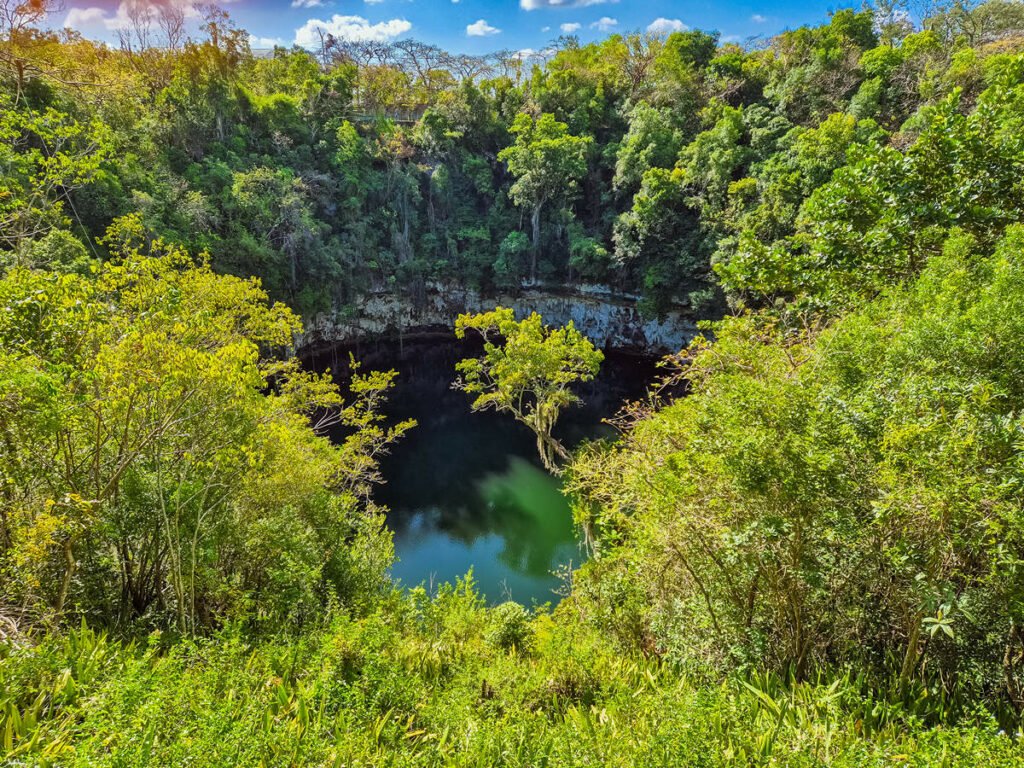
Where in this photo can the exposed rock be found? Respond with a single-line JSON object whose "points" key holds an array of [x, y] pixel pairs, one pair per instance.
{"points": [[610, 321]]}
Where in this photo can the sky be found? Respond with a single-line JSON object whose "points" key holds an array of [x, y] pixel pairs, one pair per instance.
{"points": [[472, 26]]}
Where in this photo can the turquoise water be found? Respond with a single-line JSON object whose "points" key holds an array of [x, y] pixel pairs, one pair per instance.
{"points": [[466, 491], [519, 531]]}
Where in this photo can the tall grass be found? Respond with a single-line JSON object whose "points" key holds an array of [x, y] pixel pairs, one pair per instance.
{"points": [[419, 684]]}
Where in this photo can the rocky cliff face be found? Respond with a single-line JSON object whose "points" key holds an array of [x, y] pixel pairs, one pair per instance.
{"points": [[610, 321]]}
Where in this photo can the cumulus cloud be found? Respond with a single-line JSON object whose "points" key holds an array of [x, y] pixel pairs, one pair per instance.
{"points": [[663, 26], [757, 18], [265, 42], [533, 5], [605, 24], [526, 54], [349, 28], [570, 27], [306, 3], [84, 17], [95, 17], [481, 29]]}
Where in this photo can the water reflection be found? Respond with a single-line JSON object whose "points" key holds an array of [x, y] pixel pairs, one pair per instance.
{"points": [[465, 490], [514, 530], [529, 509]]}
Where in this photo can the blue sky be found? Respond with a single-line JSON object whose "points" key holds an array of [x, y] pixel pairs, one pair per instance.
{"points": [[472, 26]]}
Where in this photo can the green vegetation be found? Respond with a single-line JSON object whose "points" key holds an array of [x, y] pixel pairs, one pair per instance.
{"points": [[527, 370], [415, 684], [639, 162], [149, 475], [815, 557]]}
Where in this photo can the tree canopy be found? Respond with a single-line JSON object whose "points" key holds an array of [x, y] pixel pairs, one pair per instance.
{"points": [[157, 452], [527, 370]]}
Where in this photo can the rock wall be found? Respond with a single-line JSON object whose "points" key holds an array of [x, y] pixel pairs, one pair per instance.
{"points": [[610, 321]]}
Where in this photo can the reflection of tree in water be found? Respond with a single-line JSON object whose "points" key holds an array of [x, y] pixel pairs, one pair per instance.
{"points": [[531, 516], [469, 475], [523, 506]]}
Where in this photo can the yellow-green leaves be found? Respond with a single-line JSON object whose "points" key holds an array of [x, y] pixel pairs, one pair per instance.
{"points": [[527, 370], [43, 155], [153, 394]]}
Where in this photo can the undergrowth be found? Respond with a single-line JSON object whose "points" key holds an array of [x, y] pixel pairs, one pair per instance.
{"points": [[421, 682]]}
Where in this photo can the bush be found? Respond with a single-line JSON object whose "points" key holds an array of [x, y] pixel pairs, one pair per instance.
{"points": [[509, 627]]}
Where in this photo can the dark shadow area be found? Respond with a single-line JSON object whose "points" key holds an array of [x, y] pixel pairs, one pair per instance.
{"points": [[466, 489]]}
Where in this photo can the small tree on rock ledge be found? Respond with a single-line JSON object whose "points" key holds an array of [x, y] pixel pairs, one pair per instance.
{"points": [[526, 370]]}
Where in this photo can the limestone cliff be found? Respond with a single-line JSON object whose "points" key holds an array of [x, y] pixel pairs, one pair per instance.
{"points": [[610, 321]]}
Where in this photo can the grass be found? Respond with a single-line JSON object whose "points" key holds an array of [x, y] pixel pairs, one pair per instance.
{"points": [[418, 684]]}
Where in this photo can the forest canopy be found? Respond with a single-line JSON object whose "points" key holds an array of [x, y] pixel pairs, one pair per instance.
{"points": [[805, 548], [643, 162]]}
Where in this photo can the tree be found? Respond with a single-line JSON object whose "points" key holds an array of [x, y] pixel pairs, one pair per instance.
{"points": [[527, 370], [883, 215], [274, 206], [975, 22], [801, 503], [158, 459], [44, 155], [547, 161], [652, 141]]}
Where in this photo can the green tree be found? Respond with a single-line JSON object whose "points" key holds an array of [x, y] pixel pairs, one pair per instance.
{"points": [[159, 458], [44, 155], [547, 162], [527, 370], [882, 216]]}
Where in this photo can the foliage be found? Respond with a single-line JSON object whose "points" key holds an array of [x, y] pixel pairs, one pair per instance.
{"points": [[527, 370], [509, 627], [147, 471], [813, 558], [882, 217], [798, 507], [547, 162], [414, 684], [641, 162], [43, 155]]}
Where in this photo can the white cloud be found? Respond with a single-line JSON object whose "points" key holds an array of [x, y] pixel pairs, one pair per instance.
{"points": [[306, 3], [481, 29], [526, 54], [266, 42], [84, 17], [120, 18], [372, 2], [545, 29], [533, 5], [605, 24], [96, 17], [570, 27], [757, 18], [663, 26], [349, 28]]}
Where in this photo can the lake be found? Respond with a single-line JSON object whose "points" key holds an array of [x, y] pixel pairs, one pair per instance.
{"points": [[466, 490]]}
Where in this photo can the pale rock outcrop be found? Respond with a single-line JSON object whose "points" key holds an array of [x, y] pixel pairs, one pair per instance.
{"points": [[611, 321]]}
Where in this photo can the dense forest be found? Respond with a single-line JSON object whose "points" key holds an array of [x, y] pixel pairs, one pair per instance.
{"points": [[806, 545]]}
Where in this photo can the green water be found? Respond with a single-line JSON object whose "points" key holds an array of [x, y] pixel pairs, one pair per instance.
{"points": [[513, 533], [465, 490]]}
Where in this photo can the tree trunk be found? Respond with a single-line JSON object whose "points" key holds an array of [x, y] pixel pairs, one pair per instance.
{"points": [[535, 223], [69, 559], [550, 450]]}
